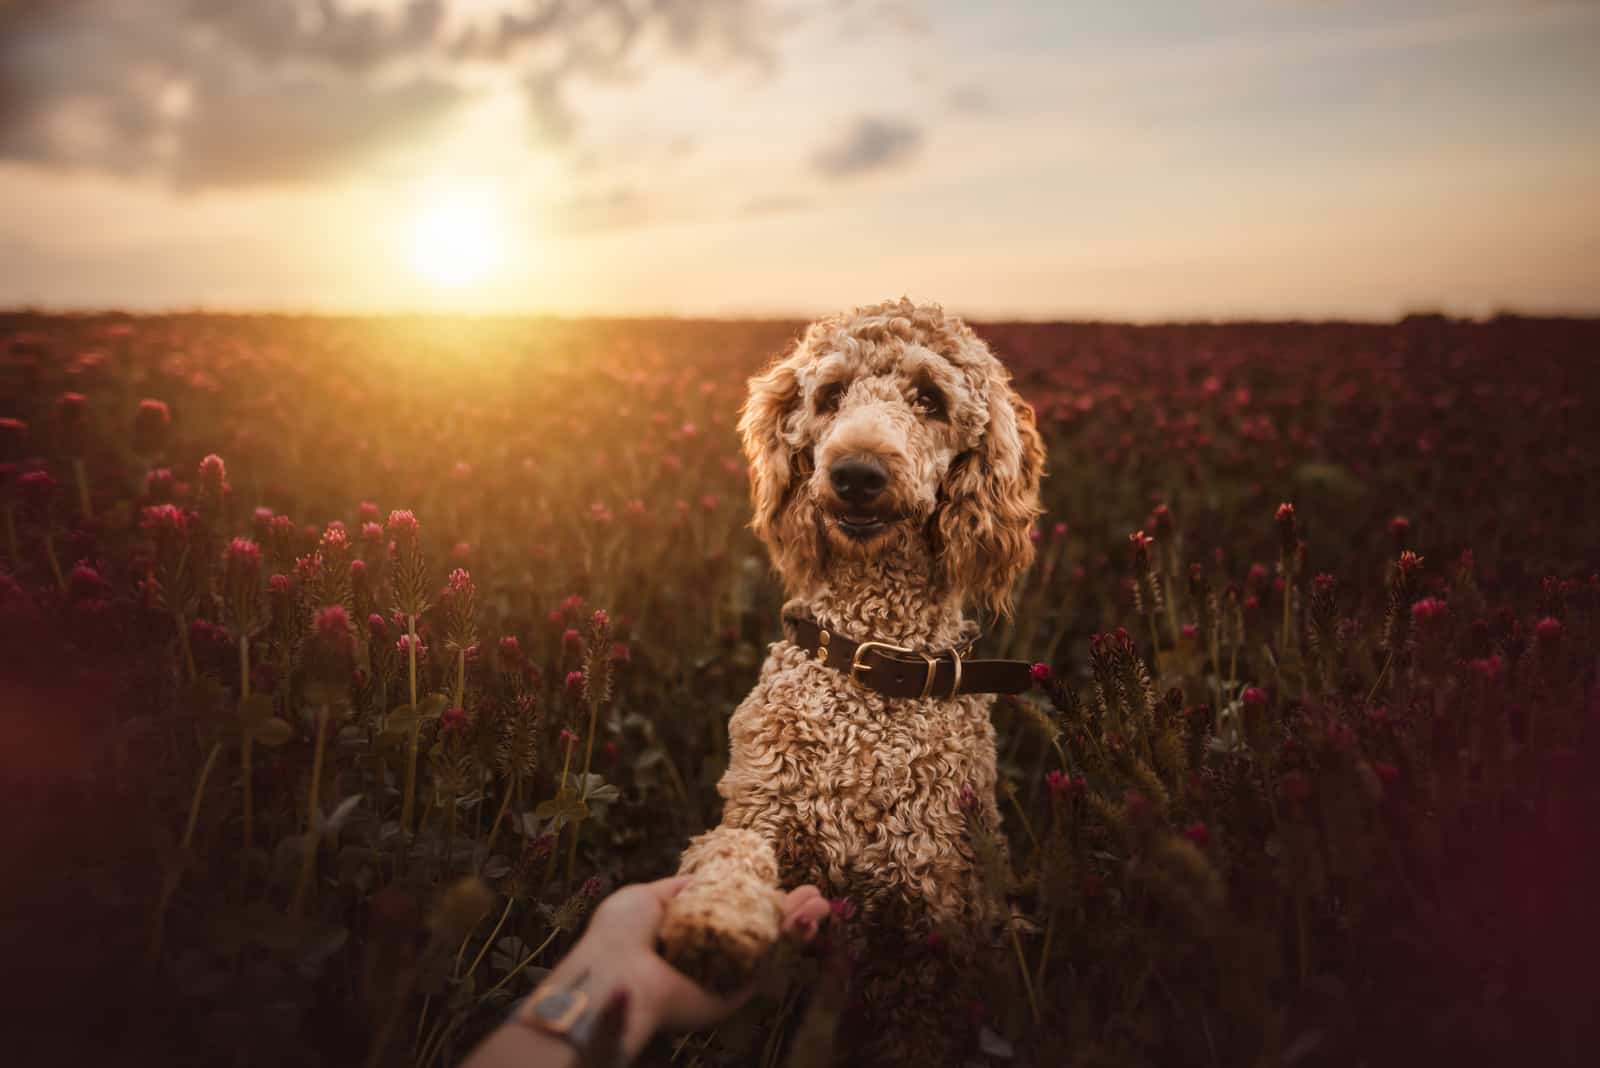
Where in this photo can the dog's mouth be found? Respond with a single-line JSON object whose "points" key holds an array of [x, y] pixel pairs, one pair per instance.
{"points": [[862, 526]]}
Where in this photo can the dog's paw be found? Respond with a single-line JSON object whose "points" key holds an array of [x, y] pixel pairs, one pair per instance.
{"points": [[719, 928]]}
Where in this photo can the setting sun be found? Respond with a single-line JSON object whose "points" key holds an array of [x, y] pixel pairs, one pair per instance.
{"points": [[457, 236]]}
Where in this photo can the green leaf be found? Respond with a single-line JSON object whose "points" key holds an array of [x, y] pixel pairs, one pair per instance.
{"points": [[341, 814], [607, 793], [571, 809], [432, 707], [253, 710], [272, 732]]}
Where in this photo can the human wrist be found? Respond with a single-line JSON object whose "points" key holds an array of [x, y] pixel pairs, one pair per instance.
{"points": [[603, 971]]}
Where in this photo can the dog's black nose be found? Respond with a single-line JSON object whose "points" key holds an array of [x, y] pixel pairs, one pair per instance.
{"points": [[858, 480]]}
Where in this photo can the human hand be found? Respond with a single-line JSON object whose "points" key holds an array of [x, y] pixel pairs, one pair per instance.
{"points": [[618, 953]]}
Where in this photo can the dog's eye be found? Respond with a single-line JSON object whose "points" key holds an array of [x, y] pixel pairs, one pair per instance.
{"points": [[828, 397], [930, 402]]}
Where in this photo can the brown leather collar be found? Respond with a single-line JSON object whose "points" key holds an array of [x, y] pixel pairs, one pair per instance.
{"points": [[895, 671]]}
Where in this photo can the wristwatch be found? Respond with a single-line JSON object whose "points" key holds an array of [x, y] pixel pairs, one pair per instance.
{"points": [[569, 1014]]}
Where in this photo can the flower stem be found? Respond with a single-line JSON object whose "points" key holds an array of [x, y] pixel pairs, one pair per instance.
{"points": [[308, 857], [1027, 980], [494, 829], [81, 476], [406, 806], [183, 643], [489, 941], [11, 538], [170, 883], [588, 754], [244, 764], [55, 565], [1044, 954], [529, 959]]}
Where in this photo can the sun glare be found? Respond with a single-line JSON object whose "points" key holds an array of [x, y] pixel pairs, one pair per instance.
{"points": [[457, 236]]}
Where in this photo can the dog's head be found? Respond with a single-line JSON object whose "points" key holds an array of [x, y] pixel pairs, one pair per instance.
{"points": [[894, 422]]}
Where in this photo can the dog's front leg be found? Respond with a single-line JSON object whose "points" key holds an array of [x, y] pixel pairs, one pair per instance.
{"points": [[719, 927]]}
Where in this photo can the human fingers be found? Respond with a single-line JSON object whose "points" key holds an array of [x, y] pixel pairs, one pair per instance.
{"points": [[804, 908]]}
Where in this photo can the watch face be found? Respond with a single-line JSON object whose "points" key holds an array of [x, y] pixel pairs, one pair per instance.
{"points": [[558, 1010]]}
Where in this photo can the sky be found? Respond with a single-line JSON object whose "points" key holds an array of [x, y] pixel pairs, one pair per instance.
{"points": [[1145, 160]]}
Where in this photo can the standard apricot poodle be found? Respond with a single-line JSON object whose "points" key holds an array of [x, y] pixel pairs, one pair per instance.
{"points": [[895, 478]]}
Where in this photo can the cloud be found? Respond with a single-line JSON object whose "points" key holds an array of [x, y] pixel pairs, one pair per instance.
{"points": [[775, 205], [301, 130], [969, 100], [869, 144], [234, 92], [621, 208]]}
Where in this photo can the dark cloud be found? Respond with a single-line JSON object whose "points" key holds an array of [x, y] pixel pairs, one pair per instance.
{"points": [[230, 92], [869, 144], [300, 130]]}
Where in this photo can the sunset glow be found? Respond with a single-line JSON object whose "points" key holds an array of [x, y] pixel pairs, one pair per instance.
{"points": [[457, 237]]}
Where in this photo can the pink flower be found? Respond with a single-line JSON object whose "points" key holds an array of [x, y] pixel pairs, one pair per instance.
{"points": [[403, 525], [1041, 673], [1387, 773], [510, 648], [452, 719], [377, 627], [1254, 698], [368, 512], [13, 432], [573, 686], [242, 558], [150, 424], [1548, 632], [571, 637], [85, 583], [1488, 669], [1430, 612], [37, 489], [213, 474], [1295, 787], [164, 519], [1136, 805], [1284, 518], [621, 653], [1399, 531], [1189, 631], [333, 622], [568, 736], [1198, 833]]}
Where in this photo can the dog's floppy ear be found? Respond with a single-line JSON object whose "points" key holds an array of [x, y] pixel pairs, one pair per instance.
{"points": [[778, 464], [989, 501]]}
